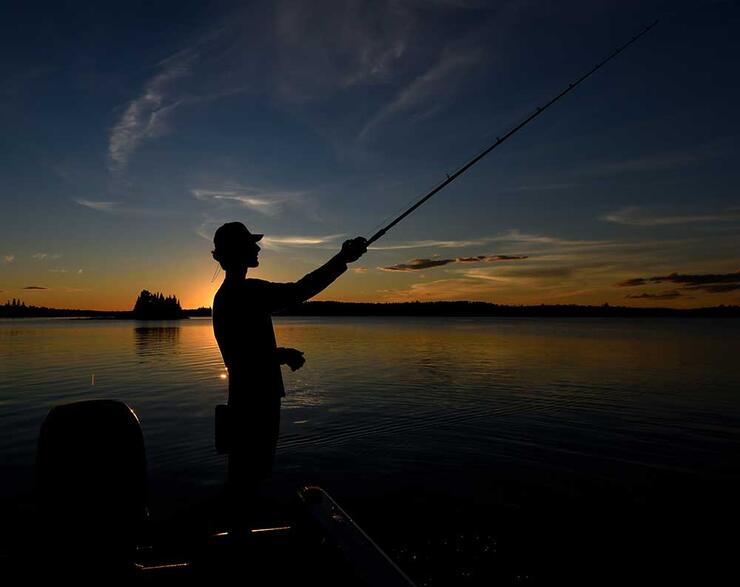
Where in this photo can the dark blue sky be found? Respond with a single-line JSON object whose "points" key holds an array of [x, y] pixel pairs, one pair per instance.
{"points": [[131, 131]]}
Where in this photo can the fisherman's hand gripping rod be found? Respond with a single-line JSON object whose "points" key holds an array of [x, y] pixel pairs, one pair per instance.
{"points": [[514, 130]]}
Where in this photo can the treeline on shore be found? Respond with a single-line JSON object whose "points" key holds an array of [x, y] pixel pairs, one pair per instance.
{"points": [[148, 306], [487, 309], [158, 307]]}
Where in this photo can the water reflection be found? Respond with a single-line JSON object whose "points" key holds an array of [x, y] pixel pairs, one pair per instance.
{"points": [[156, 340], [619, 400]]}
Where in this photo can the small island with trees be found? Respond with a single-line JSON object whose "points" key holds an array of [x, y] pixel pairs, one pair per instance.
{"points": [[155, 306]]}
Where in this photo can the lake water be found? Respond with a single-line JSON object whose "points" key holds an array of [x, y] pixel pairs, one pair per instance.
{"points": [[457, 419]]}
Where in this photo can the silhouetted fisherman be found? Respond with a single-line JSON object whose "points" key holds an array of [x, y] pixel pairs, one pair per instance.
{"points": [[242, 324]]}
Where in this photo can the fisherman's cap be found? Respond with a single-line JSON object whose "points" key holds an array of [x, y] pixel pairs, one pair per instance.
{"points": [[233, 233]]}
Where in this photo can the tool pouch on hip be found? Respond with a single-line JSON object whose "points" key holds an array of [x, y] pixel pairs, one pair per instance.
{"points": [[223, 429]]}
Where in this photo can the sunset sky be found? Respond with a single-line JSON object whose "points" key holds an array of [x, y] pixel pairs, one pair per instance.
{"points": [[130, 131]]}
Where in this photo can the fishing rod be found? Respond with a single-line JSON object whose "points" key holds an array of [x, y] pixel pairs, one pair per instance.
{"points": [[513, 131]]}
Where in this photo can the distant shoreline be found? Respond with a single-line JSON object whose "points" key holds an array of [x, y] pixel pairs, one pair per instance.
{"points": [[406, 309]]}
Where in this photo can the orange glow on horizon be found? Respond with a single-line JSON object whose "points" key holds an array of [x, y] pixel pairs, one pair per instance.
{"points": [[509, 285]]}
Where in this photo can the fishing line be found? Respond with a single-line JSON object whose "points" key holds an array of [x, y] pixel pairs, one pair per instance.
{"points": [[215, 273], [539, 110]]}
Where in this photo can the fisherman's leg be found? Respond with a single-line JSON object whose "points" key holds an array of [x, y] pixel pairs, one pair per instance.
{"points": [[241, 490], [251, 456]]}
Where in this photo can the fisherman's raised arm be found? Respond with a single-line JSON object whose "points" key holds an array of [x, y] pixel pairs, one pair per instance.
{"points": [[282, 295]]}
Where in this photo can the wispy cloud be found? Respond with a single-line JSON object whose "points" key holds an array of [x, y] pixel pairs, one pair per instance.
{"points": [[299, 241], [510, 236], [321, 48], [516, 236], [58, 270], [424, 244], [666, 295], [443, 289], [9, 259], [635, 216], [522, 273], [265, 202], [655, 162], [560, 267], [436, 83], [216, 64], [419, 264], [708, 282], [145, 117], [98, 205], [299, 54], [556, 261], [513, 236], [634, 282], [119, 209], [490, 258], [42, 256]]}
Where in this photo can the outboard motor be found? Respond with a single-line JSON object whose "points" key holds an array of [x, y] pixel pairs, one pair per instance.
{"points": [[91, 484]]}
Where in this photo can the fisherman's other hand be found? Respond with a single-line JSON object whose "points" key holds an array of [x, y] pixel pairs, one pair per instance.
{"points": [[353, 249], [293, 358]]}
